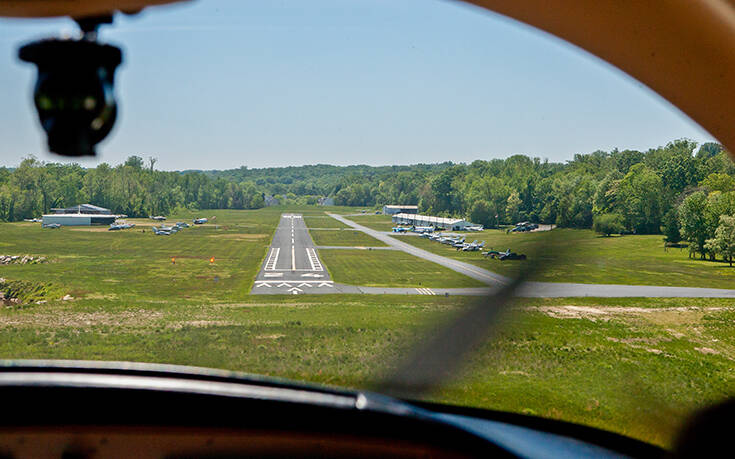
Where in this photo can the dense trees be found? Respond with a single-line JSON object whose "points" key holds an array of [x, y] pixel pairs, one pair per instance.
{"points": [[677, 189], [34, 188], [724, 241], [608, 224]]}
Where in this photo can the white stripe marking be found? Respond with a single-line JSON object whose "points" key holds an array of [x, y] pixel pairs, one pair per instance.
{"points": [[316, 265], [293, 258], [270, 264]]}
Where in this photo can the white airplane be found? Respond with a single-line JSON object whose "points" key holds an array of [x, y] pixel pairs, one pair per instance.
{"points": [[474, 247], [200, 221], [475, 228], [158, 218], [423, 229]]}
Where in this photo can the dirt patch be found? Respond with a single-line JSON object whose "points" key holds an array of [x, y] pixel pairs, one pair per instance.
{"points": [[100, 296], [53, 319], [706, 350], [200, 324], [239, 236], [638, 343], [276, 336], [660, 316], [574, 312]]}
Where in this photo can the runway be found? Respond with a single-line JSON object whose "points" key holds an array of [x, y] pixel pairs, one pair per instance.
{"points": [[292, 265]]}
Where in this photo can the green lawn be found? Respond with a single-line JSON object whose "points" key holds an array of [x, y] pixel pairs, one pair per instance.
{"points": [[344, 238], [132, 264], [390, 268], [323, 221], [376, 222], [635, 366], [583, 256]]}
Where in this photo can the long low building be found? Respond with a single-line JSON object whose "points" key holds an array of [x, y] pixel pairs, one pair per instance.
{"points": [[394, 209], [79, 219], [453, 224]]}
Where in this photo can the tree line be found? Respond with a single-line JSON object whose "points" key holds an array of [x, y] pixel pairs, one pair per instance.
{"points": [[132, 188], [663, 189]]}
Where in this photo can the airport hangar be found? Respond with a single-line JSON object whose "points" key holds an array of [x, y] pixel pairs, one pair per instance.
{"points": [[453, 224], [393, 210], [80, 215]]}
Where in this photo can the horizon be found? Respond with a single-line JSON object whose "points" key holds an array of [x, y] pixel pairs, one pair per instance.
{"points": [[67, 161]]}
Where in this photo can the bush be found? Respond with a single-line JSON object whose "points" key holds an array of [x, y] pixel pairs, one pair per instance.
{"points": [[608, 224]]}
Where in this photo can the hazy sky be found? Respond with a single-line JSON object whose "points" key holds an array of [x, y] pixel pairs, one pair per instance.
{"points": [[221, 84]]}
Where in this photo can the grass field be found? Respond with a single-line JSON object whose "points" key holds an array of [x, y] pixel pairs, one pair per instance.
{"points": [[323, 221], [132, 264], [583, 256], [376, 222], [634, 366], [388, 268], [344, 238]]}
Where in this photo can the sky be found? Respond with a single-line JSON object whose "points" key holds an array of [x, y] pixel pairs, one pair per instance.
{"points": [[222, 84]]}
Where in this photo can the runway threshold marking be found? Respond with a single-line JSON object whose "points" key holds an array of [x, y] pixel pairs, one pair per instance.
{"points": [[425, 291], [316, 265], [270, 264], [290, 284]]}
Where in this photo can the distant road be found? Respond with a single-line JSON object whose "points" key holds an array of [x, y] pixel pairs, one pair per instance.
{"points": [[534, 289]]}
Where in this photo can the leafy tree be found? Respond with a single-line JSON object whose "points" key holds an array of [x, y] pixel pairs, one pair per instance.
{"points": [[480, 213], [512, 209], [719, 182], [670, 226], [640, 194], [724, 240], [608, 224], [693, 221]]}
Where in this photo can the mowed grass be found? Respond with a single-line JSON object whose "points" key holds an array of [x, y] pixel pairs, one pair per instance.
{"points": [[344, 238], [376, 222], [136, 264], [390, 268], [323, 221], [567, 255], [635, 366]]}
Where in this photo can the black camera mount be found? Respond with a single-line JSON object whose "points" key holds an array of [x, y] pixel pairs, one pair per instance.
{"points": [[74, 92]]}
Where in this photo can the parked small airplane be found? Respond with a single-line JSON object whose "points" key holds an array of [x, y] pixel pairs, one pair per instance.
{"points": [[161, 231], [462, 244], [158, 218], [33, 220], [473, 247], [52, 225], [399, 229], [423, 229], [120, 225], [182, 225], [474, 228], [507, 255], [200, 221]]}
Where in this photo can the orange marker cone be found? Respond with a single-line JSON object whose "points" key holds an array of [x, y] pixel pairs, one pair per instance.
{"points": [[173, 260], [211, 260]]}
